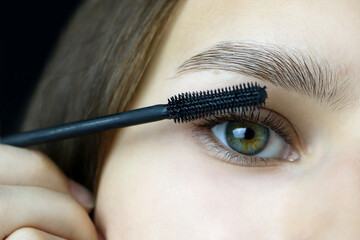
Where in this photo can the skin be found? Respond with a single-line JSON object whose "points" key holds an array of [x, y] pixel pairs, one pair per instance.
{"points": [[38, 201], [160, 181]]}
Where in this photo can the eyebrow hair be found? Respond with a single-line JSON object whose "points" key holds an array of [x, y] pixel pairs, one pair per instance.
{"points": [[301, 71]]}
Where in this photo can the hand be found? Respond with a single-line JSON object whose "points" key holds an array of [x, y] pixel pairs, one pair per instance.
{"points": [[37, 201]]}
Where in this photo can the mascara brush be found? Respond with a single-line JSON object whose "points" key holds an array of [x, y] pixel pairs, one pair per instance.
{"points": [[184, 107]]}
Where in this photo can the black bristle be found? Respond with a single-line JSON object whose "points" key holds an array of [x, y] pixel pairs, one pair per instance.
{"points": [[191, 106]]}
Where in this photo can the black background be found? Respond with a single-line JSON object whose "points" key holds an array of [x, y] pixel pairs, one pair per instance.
{"points": [[29, 34]]}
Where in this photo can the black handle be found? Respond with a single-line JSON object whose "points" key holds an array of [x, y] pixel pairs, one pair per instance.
{"points": [[75, 129]]}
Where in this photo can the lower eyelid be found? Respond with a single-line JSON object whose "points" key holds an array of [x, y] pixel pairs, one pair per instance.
{"points": [[217, 149], [227, 155]]}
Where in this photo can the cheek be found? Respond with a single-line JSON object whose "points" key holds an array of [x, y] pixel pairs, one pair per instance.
{"points": [[157, 188], [171, 189]]}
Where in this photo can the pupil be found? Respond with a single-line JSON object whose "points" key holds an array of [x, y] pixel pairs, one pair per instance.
{"points": [[249, 134], [246, 137]]}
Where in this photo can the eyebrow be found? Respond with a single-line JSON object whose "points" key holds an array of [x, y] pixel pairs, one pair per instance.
{"points": [[300, 71]]}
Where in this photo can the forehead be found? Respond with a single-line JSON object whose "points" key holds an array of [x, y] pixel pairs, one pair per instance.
{"points": [[330, 28]]}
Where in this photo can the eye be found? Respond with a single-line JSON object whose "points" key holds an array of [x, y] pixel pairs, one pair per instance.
{"points": [[256, 138], [252, 139]]}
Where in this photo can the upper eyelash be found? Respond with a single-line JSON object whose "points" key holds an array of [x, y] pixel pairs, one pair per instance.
{"points": [[271, 121]]}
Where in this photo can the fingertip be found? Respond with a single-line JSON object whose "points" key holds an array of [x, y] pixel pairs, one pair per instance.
{"points": [[100, 235], [82, 195]]}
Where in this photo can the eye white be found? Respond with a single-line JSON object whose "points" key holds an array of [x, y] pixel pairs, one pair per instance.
{"points": [[276, 147], [220, 132]]}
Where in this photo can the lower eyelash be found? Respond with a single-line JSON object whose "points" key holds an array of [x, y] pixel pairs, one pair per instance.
{"points": [[203, 132], [228, 155]]}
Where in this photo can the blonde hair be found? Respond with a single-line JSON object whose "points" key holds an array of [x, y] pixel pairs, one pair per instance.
{"points": [[99, 61]]}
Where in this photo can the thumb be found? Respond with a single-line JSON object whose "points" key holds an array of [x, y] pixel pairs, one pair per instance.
{"points": [[82, 195]]}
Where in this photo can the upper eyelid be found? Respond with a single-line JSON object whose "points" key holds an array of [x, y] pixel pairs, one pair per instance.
{"points": [[292, 138]]}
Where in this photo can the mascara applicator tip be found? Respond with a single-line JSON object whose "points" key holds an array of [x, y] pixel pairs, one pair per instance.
{"points": [[196, 105], [263, 94]]}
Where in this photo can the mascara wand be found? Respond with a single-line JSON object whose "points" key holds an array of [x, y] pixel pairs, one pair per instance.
{"points": [[184, 107]]}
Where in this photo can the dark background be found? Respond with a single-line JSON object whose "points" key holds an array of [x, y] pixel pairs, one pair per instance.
{"points": [[29, 34]]}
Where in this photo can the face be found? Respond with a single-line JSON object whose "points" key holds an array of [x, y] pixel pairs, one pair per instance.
{"points": [[199, 181]]}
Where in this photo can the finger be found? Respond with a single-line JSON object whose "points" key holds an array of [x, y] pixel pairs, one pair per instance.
{"points": [[82, 195], [25, 167], [28, 233], [49, 211]]}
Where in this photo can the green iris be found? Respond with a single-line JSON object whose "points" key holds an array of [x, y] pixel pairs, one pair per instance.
{"points": [[247, 137]]}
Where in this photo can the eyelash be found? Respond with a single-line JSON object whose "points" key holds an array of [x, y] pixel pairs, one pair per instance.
{"points": [[272, 120]]}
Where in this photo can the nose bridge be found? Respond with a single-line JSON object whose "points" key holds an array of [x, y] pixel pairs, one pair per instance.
{"points": [[327, 200], [342, 161], [342, 191], [328, 195], [345, 150], [341, 173], [343, 135]]}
